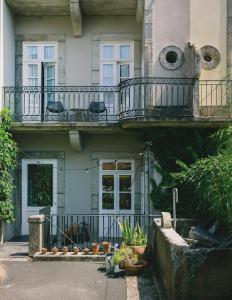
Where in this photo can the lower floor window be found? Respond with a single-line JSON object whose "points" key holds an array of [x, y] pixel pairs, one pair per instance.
{"points": [[116, 186]]}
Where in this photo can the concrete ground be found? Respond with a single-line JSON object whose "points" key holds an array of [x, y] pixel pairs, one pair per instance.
{"points": [[62, 280]]}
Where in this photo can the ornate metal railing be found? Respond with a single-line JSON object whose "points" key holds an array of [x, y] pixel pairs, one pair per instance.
{"points": [[63, 103], [157, 98], [138, 98], [84, 229], [215, 98]]}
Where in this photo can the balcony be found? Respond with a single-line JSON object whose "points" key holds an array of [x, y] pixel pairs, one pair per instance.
{"points": [[137, 102]]}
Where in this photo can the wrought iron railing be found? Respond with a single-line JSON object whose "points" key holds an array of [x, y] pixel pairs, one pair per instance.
{"points": [[84, 229], [157, 98], [215, 98], [137, 98], [62, 103]]}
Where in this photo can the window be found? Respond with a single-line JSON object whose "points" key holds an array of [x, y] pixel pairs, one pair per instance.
{"points": [[116, 186], [116, 62]]}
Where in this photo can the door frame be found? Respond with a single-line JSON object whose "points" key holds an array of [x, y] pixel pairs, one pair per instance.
{"points": [[25, 163]]}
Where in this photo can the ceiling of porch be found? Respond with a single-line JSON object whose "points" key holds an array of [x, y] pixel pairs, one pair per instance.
{"points": [[62, 7]]}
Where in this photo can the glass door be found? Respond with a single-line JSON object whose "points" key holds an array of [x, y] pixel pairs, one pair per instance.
{"points": [[39, 188]]}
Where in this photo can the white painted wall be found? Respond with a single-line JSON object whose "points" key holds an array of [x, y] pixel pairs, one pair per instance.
{"points": [[7, 54], [78, 50], [208, 26], [170, 27]]}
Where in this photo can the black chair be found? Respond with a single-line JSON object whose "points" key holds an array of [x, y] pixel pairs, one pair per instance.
{"points": [[98, 108], [55, 107]]}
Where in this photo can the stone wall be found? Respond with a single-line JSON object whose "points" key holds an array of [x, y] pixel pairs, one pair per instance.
{"points": [[191, 273]]}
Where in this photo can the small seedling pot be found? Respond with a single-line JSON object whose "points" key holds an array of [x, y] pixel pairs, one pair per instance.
{"points": [[44, 250], [65, 250], [106, 246], [54, 250], [95, 248], [75, 250]]}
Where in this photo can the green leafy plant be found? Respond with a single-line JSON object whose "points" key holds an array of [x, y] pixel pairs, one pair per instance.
{"points": [[8, 157], [121, 255], [132, 236]]}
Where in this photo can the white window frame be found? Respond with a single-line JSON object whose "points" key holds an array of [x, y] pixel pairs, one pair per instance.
{"points": [[116, 60], [40, 59], [116, 185]]}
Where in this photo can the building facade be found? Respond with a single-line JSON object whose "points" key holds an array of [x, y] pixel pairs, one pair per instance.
{"points": [[84, 78]]}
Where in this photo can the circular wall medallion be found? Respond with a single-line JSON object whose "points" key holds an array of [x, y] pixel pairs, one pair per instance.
{"points": [[210, 57], [171, 57]]}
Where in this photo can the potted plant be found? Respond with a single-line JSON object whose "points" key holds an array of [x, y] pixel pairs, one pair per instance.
{"points": [[120, 256], [133, 237], [106, 246], [95, 248]]}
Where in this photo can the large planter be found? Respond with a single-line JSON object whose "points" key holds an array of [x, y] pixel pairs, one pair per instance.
{"points": [[138, 249], [132, 269]]}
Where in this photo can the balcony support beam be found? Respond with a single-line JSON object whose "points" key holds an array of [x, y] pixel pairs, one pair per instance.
{"points": [[76, 17], [75, 140], [140, 11]]}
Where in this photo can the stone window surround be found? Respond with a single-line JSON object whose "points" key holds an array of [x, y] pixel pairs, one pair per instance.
{"points": [[60, 38], [97, 39]]}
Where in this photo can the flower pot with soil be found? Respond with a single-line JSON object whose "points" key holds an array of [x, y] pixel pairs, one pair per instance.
{"points": [[106, 246], [65, 250], [44, 251], [54, 251], [95, 248], [75, 250]]}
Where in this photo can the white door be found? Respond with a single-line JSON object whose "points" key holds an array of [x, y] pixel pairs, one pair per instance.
{"points": [[116, 194], [39, 188]]}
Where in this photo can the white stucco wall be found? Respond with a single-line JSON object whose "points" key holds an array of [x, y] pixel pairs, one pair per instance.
{"points": [[78, 50], [170, 27], [80, 187], [7, 54], [208, 26]]}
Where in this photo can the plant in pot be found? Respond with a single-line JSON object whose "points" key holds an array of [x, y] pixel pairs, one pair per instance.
{"points": [[120, 256], [133, 237], [95, 248]]}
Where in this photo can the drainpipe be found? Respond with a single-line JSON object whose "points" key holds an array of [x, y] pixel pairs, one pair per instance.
{"points": [[175, 200]]}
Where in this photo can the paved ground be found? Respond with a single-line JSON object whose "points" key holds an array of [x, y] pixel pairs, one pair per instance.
{"points": [[29, 280], [60, 281]]}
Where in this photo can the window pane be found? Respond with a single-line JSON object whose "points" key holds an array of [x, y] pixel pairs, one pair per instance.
{"points": [[107, 70], [32, 70], [124, 71], [125, 201], [49, 52], [108, 52], [108, 183], [50, 72], [124, 51], [40, 185], [124, 166], [33, 82], [125, 183], [32, 52], [107, 201], [108, 166]]}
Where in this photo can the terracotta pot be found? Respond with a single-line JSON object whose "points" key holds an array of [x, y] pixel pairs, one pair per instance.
{"points": [[95, 248], [85, 251], [75, 250], [138, 249], [65, 250], [106, 246], [54, 250], [44, 250], [135, 268]]}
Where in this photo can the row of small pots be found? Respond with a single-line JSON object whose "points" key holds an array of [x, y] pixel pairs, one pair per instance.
{"points": [[95, 249]]}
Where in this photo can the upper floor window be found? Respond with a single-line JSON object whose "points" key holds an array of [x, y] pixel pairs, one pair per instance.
{"points": [[40, 63], [116, 62]]}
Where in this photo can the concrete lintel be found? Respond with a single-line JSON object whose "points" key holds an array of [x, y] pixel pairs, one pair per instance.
{"points": [[140, 11], [75, 140], [76, 17]]}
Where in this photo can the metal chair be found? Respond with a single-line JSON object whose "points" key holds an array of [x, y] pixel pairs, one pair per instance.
{"points": [[98, 108], [55, 107]]}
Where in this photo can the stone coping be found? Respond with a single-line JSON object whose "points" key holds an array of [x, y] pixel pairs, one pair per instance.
{"points": [[68, 257]]}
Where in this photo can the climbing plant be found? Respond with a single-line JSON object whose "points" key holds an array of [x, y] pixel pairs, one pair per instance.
{"points": [[8, 156]]}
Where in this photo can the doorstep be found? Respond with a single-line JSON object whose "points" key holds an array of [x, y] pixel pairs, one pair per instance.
{"points": [[68, 257]]}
